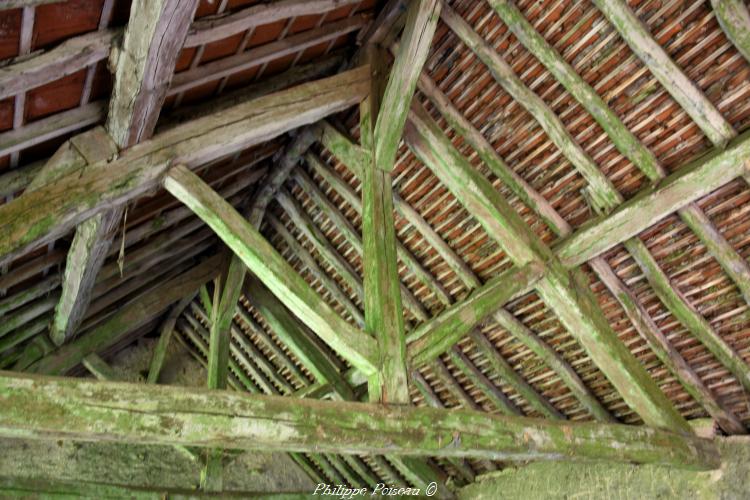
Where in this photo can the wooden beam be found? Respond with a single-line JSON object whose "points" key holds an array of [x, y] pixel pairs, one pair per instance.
{"points": [[421, 21], [56, 125], [217, 27], [688, 184], [263, 260], [17, 4], [390, 19], [384, 316], [564, 291], [128, 318], [550, 123], [120, 412], [144, 66], [42, 216], [257, 56], [67, 58], [436, 336], [681, 88], [734, 19]]}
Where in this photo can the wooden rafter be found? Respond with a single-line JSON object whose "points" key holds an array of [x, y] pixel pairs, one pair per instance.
{"points": [[122, 412], [734, 18]]}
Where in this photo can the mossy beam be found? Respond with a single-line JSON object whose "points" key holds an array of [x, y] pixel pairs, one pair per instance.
{"points": [[165, 334], [352, 236], [667, 354], [734, 19], [271, 268], [491, 159], [623, 139], [289, 331], [683, 90], [688, 184], [552, 125], [679, 306], [564, 291], [349, 153], [309, 261], [421, 21], [83, 410], [98, 367], [128, 318], [434, 337], [38, 217], [384, 315], [404, 254]]}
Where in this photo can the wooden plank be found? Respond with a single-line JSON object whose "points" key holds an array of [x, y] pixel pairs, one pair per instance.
{"points": [[289, 331], [69, 57], [564, 291], [271, 268], [734, 19], [45, 214], [552, 125], [667, 354], [128, 318], [686, 185], [213, 28], [421, 21], [257, 56], [625, 141], [144, 66], [679, 306], [121, 412], [98, 367], [53, 126], [436, 336], [681, 88]]}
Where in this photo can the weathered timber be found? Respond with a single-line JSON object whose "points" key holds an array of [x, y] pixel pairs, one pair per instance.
{"points": [[667, 354], [734, 19], [227, 290], [384, 317], [165, 334], [679, 306], [257, 56], [312, 265], [128, 318], [17, 4], [688, 184], [478, 378], [550, 123], [448, 380], [67, 58], [133, 413], [342, 147], [501, 366], [53, 126], [491, 159], [563, 290], [144, 66], [271, 268], [90, 244], [45, 214], [217, 27], [288, 329], [18, 178], [624, 140], [672, 78], [294, 76], [437, 335], [390, 18], [388, 124]]}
